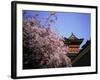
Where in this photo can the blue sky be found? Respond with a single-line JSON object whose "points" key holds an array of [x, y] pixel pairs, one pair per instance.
{"points": [[67, 23]]}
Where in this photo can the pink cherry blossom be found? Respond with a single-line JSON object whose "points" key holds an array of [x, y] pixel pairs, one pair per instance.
{"points": [[43, 48]]}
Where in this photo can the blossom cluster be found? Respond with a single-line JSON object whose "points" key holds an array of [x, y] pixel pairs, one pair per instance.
{"points": [[43, 48]]}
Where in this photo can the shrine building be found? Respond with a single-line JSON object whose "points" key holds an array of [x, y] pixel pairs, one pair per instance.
{"points": [[73, 45]]}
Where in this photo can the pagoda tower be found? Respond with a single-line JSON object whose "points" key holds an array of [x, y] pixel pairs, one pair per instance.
{"points": [[73, 45]]}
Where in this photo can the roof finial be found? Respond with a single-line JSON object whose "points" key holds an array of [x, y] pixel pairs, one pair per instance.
{"points": [[73, 36], [72, 33]]}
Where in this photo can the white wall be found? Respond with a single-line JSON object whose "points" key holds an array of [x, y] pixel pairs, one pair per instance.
{"points": [[5, 40]]}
